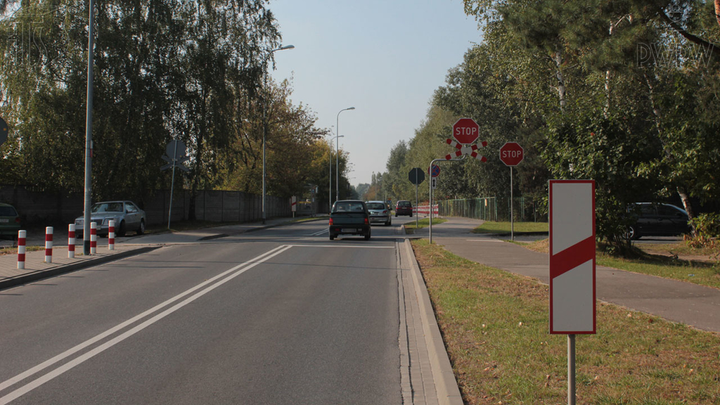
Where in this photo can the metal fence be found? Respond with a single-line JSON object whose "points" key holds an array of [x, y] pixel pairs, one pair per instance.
{"points": [[495, 209]]}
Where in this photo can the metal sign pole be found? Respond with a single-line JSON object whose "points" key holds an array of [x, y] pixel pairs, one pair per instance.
{"points": [[172, 184], [417, 211], [512, 220], [571, 369], [430, 195]]}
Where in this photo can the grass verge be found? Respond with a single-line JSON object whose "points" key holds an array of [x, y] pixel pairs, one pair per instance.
{"points": [[504, 227], [495, 327]]}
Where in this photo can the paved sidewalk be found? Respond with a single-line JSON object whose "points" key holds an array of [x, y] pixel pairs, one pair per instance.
{"points": [[674, 300], [36, 268]]}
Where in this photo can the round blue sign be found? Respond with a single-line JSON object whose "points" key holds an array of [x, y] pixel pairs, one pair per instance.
{"points": [[435, 170]]}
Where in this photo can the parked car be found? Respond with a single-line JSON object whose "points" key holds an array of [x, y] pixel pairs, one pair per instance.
{"points": [[379, 212], [9, 221], [127, 216], [349, 217], [657, 219], [404, 207]]}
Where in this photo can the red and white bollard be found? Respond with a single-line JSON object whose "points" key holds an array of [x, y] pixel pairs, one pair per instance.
{"points": [[111, 235], [48, 244], [21, 249], [93, 238], [71, 241]]}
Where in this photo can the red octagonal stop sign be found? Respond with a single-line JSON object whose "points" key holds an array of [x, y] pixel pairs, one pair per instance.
{"points": [[466, 131], [511, 153]]}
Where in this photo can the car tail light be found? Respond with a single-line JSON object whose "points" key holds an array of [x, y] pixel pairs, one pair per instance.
{"points": [[384, 211], [331, 221], [17, 219], [366, 221]]}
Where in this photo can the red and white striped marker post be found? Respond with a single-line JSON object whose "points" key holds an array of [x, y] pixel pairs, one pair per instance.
{"points": [[71, 241], [572, 264], [21, 249], [48, 244], [93, 238], [111, 235]]}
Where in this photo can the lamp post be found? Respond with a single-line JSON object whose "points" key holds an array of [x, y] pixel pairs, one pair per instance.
{"points": [[265, 102], [337, 153], [88, 135]]}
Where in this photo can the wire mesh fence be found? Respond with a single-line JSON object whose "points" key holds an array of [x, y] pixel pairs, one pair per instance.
{"points": [[495, 209]]}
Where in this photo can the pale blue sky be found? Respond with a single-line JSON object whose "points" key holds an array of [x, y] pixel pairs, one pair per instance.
{"points": [[383, 57]]}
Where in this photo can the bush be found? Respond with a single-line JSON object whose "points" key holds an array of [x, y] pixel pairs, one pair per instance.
{"points": [[707, 228]]}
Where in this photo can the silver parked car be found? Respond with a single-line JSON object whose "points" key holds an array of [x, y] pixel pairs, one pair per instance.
{"points": [[379, 212], [127, 216]]}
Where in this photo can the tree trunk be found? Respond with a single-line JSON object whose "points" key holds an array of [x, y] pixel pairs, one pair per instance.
{"points": [[688, 208], [717, 11], [561, 79]]}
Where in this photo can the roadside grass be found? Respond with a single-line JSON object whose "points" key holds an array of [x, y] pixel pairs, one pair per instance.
{"points": [[8, 250], [659, 260], [422, 223], [504, 227], [495, 327]]}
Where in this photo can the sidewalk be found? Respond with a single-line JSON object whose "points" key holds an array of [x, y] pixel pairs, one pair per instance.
{"points": [[36, 268], [677, 301]]}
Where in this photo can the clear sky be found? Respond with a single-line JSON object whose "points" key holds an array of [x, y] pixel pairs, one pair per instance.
{"points": [[383, 57]]}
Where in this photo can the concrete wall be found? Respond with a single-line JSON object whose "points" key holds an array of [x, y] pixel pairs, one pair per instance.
{"points": [[214, 206]]}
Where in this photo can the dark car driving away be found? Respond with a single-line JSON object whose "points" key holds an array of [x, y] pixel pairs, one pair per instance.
{"points": [[657, 220], [349, 217], [404, 207]]}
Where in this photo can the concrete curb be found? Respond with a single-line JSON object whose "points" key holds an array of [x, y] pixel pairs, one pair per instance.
{"points": [[446, 385], [64, 269]]}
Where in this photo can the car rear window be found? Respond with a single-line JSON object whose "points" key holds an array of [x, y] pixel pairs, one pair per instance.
{"points": [[376, 206], [348, 207], [8, 212], [404, 204]]}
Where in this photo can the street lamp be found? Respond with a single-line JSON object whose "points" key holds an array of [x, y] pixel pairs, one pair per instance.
{"points": [[88, 135], [330, 175], [265, 97], [337, 153]]}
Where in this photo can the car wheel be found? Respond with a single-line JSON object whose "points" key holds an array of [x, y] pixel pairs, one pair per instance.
{"points": [[141, 229], [396, 215], [367, 236], [332, 237], [632, 233], [388, 223], [121, 229]]}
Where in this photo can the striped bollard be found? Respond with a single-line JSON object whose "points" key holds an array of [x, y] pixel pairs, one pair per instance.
{"points": [[111, 235], [48, 244], [93, 238], [21, 249], [71, 241]]}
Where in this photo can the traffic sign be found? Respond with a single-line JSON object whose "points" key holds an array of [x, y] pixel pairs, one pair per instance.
{"points": [[572, 256], [435, 171], [512, 153], [434, 182], [416, 176], [466, 131]]}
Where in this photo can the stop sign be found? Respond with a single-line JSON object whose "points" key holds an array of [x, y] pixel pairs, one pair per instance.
{"points": [[466, 131], [511, 153]]}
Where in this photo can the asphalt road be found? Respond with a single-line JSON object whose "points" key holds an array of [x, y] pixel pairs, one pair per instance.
{"points": [[276, 316]]}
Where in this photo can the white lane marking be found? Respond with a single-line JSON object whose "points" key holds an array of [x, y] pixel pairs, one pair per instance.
{"points": [[239, 269], [319, 232], [485, 240]]}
